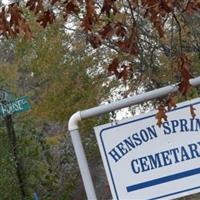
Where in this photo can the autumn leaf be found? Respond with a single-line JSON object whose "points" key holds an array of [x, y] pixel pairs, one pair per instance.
{"points": [[4, 24], [156, 11], [158, 24], [95, 40], [107, 31], [128, 47], [192, 6], [134, 4], [113, 67], [184, 87], [71, 7], [46, 18], [192, 111], [15, 24], [167, 5], [183, 65], [54, 1], [87, 23], [108, 5], [124, 73], [91, 17], [171, 102], [35, 6], [15, 15], [160, 28], [161, 115], [120, 29]]}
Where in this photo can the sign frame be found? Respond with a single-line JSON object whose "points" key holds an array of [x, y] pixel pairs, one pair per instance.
{"points": [[100, 130], [73, 126]]}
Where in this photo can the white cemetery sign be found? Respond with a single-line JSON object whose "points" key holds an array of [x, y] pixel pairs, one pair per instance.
{"points": [[143, 161]]}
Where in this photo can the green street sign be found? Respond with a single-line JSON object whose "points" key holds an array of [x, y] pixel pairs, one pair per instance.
{"points": [[19, 105]]}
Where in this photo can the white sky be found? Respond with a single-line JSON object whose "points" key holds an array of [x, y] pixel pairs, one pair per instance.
{"points": [[5, 1]]}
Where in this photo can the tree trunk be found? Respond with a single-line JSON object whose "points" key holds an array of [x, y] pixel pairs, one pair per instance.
{"points": [[13, 144]]}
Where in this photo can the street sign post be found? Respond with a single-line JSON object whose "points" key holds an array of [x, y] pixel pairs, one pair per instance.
{"points": [[144, 161], [8, 106]]}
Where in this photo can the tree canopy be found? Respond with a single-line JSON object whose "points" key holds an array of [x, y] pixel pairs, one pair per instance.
{"points": [[46, 69], [150, 43], [131, 28], [49, 46]]}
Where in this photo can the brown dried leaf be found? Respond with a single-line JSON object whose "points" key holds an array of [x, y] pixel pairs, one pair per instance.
{"points": [[192, 111], [108, 5], [54, 1], [120, 29], [134, 4], [160, 29], [185, 71], [192, 6], [45, 18], [129, 45], [35, 6], [113, 67], [90, 8], [184, 87], [71, 7], [159, 25], [107, 31], [161, 115], [157, 11], [91, 17], [167, 5], [87, 23], [16, 15], [183, 64], [95, 40], [16, 24], [5, 29], [171, 102], [124, 74]]}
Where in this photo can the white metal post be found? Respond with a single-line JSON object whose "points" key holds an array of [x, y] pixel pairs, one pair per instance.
{"points": [[81, 157], [83, 165]]}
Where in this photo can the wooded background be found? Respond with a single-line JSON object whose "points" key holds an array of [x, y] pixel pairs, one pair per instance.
{"points": [[72, 55]]}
